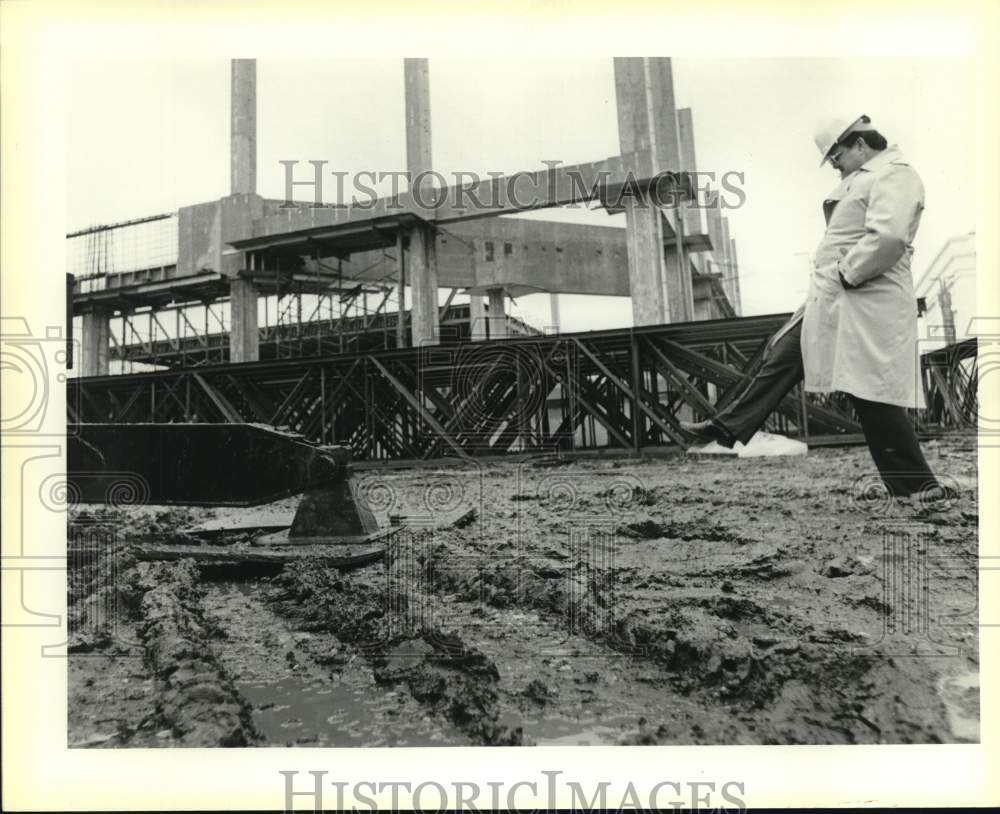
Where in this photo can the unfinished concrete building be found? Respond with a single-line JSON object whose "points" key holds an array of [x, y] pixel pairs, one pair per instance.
{"points": [[343, 357]]}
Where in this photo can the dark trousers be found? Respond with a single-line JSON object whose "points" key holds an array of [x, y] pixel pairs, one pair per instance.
{"points": [[888, 430]]}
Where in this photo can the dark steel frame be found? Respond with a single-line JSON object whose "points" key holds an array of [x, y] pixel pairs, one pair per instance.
{"points": [[617, 390]]}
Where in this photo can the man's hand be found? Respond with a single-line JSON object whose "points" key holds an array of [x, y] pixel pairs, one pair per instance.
{"points": [[840, 274], [846, 284]]}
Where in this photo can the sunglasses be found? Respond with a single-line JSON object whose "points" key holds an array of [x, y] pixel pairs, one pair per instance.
{"points": [[839, 150]]}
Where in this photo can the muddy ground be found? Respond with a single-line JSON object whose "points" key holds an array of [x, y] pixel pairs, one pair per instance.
{"points": [[692, 600]]}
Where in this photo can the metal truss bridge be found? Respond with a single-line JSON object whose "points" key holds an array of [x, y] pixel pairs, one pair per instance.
{"points": [[617, 390]]}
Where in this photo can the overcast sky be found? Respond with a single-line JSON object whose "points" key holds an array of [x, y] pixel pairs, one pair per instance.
{"points": [[151, 136]]}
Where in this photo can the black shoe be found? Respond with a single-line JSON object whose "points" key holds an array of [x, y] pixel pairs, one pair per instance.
{"points": [[707, 431]]}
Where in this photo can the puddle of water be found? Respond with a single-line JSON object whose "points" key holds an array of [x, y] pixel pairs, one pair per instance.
{"points": [[587, 732], [299, 712]]}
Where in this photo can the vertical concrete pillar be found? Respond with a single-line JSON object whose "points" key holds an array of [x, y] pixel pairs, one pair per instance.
{"points": [[498, 314], [243, 127], [644, 241], [713, 215], [727, 260], [477, 318], [689, 163], [400, 290], [677, 283], [647, 120], [735, 299], [419, 159], [244, 341], [666, 146], [422, 271], [95, 343], [643, 236], [416, 78], [554, 313]]}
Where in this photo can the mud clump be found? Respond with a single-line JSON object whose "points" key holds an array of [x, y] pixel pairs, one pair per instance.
{"points": [[538, 691], [578, 593], [453, 680], [197, 699], [852, 699]]}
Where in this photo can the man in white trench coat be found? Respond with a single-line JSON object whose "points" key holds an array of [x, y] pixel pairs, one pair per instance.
{"points": [[857, 331]]}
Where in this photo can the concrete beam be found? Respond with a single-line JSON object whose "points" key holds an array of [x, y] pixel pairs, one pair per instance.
{"points": [[243, 127], [525, 256], [205, 229], [520, 192], [95, 343]]}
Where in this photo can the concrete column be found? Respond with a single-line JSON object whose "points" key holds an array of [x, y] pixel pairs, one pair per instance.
{"points": [[678, 290], [665, 143], [422, 271], [727, 260], [647, 120], [423, 255], [644, 237], [417, 81], [735, 283], [244, 342], [689, 163], [554, 313], [400, 290], [477, 318], [714, 217], [95, 343], [498, 314], [243, 127]]}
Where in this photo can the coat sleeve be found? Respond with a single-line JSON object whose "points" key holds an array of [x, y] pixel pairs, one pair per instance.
{"points": [[894, 203]]}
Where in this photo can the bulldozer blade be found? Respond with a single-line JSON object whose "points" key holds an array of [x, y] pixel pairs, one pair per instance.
{"points": [[196, 464]]}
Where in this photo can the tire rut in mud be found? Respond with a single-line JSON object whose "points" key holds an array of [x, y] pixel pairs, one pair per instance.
{"points": [[442, 672], [197, 698], [727, 652]]}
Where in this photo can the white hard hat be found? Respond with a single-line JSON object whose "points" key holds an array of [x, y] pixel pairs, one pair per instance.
{"points": [[833, 130]]}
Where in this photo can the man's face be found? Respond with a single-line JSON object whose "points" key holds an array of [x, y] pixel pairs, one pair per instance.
{"points": [[846, 158]]}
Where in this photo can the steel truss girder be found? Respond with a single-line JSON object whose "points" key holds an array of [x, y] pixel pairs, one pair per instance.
{"points": [[620, 389], [950, 378]]}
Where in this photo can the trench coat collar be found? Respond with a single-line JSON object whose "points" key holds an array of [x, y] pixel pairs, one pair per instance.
{"points": [[890, 155]]}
